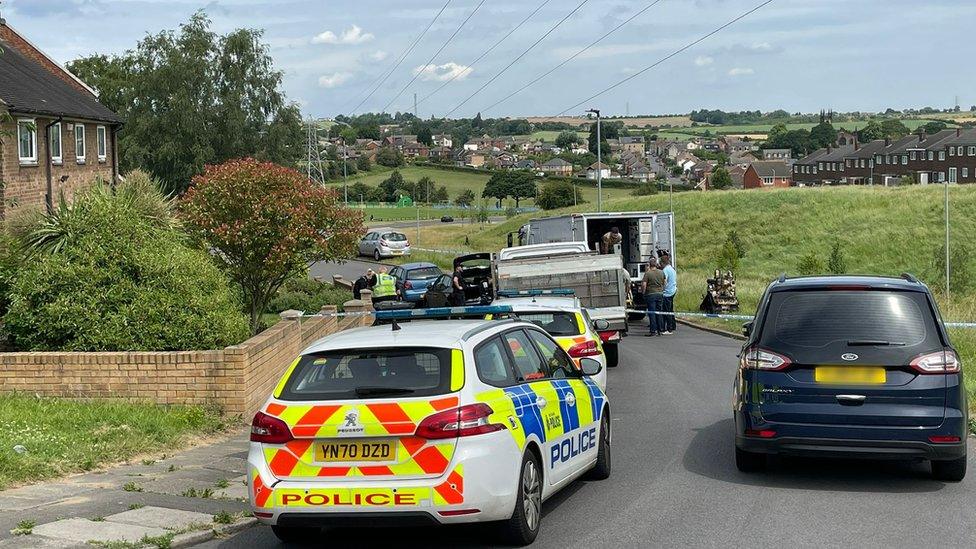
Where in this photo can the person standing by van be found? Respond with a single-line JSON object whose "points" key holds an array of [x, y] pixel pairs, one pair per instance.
{"points": [[653, 289], [670, 288]]}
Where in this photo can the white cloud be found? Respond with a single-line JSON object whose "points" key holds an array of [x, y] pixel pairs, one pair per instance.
{"points": [[762, 46], [703, 60], [740, 71], [352, 35], [378, 55], [333, 80], [442, 73]]}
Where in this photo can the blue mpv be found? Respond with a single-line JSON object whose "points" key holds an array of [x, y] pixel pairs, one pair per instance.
{"points": [[850, 366]]}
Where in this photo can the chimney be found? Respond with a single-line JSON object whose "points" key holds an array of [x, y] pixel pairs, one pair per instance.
{"points": [[857, 145], [958, 132], [887, 141], [921, 137]]}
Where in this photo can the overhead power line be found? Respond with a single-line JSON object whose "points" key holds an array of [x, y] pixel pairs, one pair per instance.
{"points": [[574, 56], [666, 57], [402, 57], [520, 56], [486, 52], [436, 53]]}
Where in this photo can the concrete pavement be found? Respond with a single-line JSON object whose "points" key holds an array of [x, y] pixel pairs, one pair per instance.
{"points": [[675, 484]]}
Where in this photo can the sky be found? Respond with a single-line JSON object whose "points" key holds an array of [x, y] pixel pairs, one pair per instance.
{"points": [[801, 56]]}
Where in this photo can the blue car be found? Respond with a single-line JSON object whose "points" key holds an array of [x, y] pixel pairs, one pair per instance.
{"points": [[853, 367], [412, 279]]}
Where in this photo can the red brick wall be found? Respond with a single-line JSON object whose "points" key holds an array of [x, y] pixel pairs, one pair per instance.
{"points": [[26, 185], [16, 41], [751, 180]]}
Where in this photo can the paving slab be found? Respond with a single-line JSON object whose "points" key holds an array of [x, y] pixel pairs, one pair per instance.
{"points": [[37, 542], [235, 490], [161, 517], [83, 530]]}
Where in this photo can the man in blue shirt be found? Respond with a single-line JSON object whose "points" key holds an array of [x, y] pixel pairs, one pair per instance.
{"points": [[670, 288]]}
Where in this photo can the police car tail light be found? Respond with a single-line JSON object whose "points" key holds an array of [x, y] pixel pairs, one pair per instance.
{"points": [[942, 362], [759, 359], [587, 348], [458, 422], [269, 429]]}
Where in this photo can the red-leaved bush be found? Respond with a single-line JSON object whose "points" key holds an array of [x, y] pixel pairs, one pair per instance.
{"points": [[266, 223]]}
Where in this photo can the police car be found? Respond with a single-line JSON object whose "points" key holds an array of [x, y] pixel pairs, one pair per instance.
{"points": [[438, 421], [559, 313]]}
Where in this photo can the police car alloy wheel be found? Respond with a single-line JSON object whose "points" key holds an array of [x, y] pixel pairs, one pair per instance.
{"points": [[523, 527], [601, 471]]}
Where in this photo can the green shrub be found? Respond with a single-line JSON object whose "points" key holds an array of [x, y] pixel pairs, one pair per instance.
{"points": [[10, 261], [305, 294], [107, 273], [645, 189], [728, 259], [811, 264], [737, 243]]}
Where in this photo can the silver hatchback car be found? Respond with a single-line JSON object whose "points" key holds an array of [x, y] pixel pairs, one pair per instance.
{"points": [[380, 243]]}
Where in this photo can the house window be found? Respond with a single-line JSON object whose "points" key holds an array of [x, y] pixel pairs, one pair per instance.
{"points": [[847, 162], [767, 181], [952, 175], [972, 151], [952, 151], [912, 154], [941, 176], [820, 165], [877, 159], [55, 134], [941, 155], [904, 160], [814, 169], [931, 155], [965, 173], [80, 143], [959, 150], [27, 141]]}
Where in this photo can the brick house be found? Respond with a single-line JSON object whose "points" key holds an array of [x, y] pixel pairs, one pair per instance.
{"points": [[766, 174], [415, 150], [557, 166], [634, 144], [59, 138]]}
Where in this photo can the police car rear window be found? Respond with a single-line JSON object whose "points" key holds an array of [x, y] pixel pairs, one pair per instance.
{"points": [[556, 323], [355, 374]]}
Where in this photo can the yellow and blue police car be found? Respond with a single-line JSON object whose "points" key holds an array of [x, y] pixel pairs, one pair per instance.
{"points": [[560, 313], [441, 421]]}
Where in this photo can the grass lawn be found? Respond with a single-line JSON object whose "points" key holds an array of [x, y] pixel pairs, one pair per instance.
{"points": [[880, 231], [550, 136], [63, 436]]}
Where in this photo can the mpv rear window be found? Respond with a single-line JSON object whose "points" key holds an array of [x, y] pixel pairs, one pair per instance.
{"points": [[813, 319], [394, 237], [423, 273], [370, 373], [556, 323]]}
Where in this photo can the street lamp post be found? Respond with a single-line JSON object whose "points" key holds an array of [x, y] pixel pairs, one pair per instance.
{"points": [[599, 162], [345, 189], [947, 238]]}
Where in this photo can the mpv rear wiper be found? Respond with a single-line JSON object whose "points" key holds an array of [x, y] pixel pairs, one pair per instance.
{"points": [[373, 391], [874, 342]]}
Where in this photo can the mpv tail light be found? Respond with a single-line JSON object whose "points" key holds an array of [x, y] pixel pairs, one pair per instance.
{"points": [[760, 359], [269, 429], [384, 243], [587, 348], [407, 285], [458, 422], [941, 362]]}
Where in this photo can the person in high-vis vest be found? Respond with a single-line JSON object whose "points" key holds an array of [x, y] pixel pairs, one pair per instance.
{"points": [[385, 288]]}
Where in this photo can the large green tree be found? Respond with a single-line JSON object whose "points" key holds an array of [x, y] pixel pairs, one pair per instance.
{"points": [[894, 129], [823, 135], [193, 97], [558, 194]]}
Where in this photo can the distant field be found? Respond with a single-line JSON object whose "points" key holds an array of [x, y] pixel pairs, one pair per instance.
{"points": [[635, 122], [550, 136], [456, 182], [761, 130]]}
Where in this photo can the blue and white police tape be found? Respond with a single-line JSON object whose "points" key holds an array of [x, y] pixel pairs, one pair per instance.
{"points": [[750, 317]]}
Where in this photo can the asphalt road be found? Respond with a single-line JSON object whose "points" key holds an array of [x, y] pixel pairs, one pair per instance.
{"points": [[350, 270], [674, 483]]}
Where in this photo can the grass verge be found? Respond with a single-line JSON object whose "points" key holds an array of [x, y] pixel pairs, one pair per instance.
{"points": [[41, 438]]}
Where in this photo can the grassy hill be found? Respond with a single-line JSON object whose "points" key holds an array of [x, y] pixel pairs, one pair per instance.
{"points": [[880, 231]]}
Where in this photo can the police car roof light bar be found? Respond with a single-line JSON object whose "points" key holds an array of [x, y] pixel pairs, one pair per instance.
{"points": [[525, 293], [442, 312]]}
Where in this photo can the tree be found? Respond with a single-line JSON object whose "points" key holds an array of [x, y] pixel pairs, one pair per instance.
{"points": [[349, 135], [391, 185], [935, 126], [465, 199], [823, 135], [359, 191], [566, 139], [440, 195], [424, 136], [740, 247], [522, 186], [389, 157], [558, 194], [265, 223], [498, 187], [728, 258], [811, 264], [894, 129], [607, 131], [477, 122], [192, 97], [870, 132], [362, 163], [425, 189], [721, 179]]}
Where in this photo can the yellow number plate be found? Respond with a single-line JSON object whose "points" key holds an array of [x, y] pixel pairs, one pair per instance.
{"points": [[355, 451], [850, 375]]}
